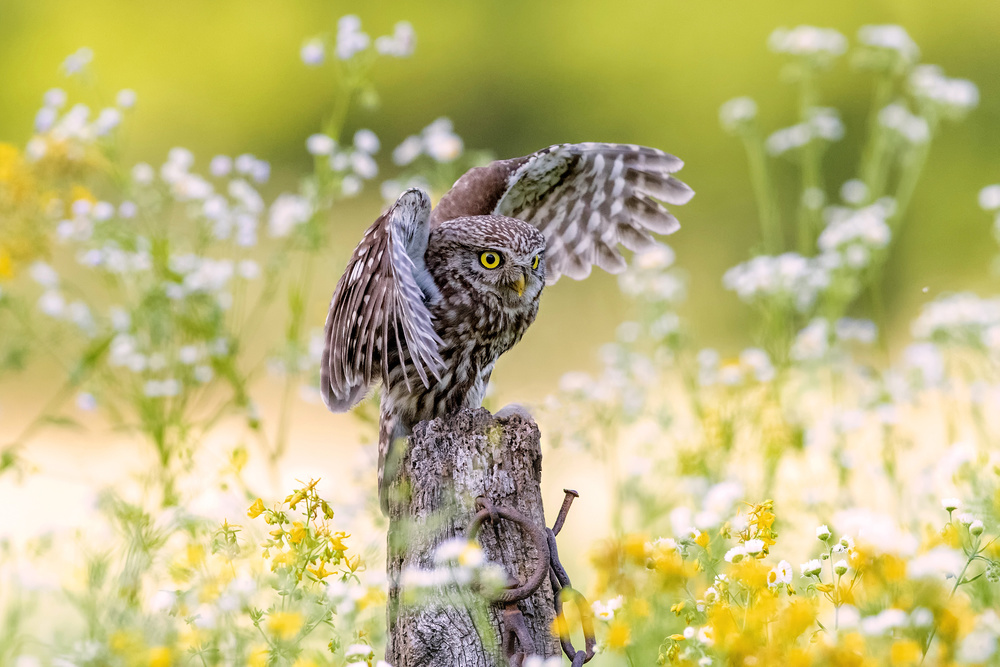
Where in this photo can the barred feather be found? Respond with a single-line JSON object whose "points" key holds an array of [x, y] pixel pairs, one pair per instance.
{"points": [[378, 308], [585, 198]]}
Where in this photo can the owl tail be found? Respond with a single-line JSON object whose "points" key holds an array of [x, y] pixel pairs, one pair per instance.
{"points": [[392, 435]]}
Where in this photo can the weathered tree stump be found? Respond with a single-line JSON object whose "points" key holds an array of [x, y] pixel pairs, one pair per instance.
{"points": [[448, 464]]}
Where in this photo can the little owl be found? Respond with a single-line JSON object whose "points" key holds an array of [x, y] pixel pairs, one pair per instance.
{"points": [[431, 299]]}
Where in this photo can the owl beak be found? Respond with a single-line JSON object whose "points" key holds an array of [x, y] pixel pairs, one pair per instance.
{"points": [[518, 285]]}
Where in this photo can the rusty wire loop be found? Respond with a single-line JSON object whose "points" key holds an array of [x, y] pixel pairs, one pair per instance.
{"points": [[515, 629]]}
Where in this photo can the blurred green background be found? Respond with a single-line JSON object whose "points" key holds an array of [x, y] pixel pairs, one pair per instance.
{"points": [[224, 76]]}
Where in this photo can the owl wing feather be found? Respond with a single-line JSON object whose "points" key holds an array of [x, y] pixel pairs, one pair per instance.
{"points": [[379, 306], [585, 198]]}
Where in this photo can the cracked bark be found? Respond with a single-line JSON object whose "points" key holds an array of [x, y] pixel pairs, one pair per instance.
{"points": [[449, 463]]}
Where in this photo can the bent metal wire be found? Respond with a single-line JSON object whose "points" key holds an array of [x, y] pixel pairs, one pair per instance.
{"points": [[516, 640]]}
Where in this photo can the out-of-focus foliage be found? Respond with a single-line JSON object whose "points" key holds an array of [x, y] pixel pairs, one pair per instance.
{"points": [[873, 469]]}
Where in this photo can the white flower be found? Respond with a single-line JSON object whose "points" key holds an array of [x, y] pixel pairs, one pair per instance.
{"points": [[737, 112], [854, 191], [912, 128], [408, 151], [976, 528], [989, 198], [350, 186], [220, 166], [45, 119], [359, 651], [884, 622], [812, 342], [287, 212], [43, 274], [320, 144], [350, 39], [86, 401], [143, 174], [862, 331], [125, 98], [401, 44], [248, 269], [780, 574], [823, 533], [811, 568], [203, 374], [363, 165], [891, 37], [127, 210], [52, 303], [313, 52], [759, 362], [366, 141], [77, 61], [102, 211], [188, 354], [736, 554], [54, 98], [754, 547], [440, 142], [951, 504], [807, 40], [952, 96], [841, 567]]}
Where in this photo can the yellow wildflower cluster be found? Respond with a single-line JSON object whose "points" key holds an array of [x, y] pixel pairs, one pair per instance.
{"points": [[699, 599], [304, 544]]}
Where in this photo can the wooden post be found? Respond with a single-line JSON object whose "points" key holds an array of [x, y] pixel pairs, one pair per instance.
{"points": [[448, 464]]}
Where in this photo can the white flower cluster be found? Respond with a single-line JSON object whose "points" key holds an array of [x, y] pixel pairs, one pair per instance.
{"points": [[753, 363], [85, 214], [351, 40], [400, 44], [960, 318], [737, 113], [647, 277], [77, 62], [718, 502], [73, 131], [356, 162], [823, 123], [788, 276], [892, 38], [807, 40], [438, 141], [856, 233], [909, 127], [605, 611], [953, 97], [53, 303], [813, 342], [457, 561]]}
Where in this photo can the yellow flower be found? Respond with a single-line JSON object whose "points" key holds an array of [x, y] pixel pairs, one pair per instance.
{"points": [[6, 264], [619, 634], [256, 509], [284, 624], [337, 542], [905, 652], [159, 656], [320, 571], [297, 533], [258, 656], [304, 662]]}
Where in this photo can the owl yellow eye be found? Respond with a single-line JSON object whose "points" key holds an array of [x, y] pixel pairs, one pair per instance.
{"points": [[490, 259], [535, 262]]}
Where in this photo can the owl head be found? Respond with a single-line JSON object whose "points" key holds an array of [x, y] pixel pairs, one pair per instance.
{"points": [[504, 256]]}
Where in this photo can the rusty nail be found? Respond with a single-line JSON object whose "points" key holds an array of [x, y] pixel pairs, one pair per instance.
{"points": [[564, 510]]}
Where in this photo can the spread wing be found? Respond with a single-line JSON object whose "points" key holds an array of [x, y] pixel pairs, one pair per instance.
{"points": [[378, 307], [585, 198]]}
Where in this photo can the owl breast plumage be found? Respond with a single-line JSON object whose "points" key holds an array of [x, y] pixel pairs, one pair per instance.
{"points": [[431, 299]]}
